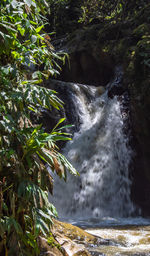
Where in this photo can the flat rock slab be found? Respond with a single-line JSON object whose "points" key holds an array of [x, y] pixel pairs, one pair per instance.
{"points": [[74, 233], [72, 238], [71, 241]]}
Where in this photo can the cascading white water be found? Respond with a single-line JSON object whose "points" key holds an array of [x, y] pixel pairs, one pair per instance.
{"points": [[101, 153]]}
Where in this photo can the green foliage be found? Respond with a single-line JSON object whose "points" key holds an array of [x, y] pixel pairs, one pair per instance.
{"points": [[144, 50], [26, 58], [64, 15], [96, 9], [67, 15]]}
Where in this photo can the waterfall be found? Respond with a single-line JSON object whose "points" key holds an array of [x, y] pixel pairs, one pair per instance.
{"points": [[101, 153]]}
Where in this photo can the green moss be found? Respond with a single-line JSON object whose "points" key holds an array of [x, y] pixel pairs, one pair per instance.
{"points": [[53, 243]]}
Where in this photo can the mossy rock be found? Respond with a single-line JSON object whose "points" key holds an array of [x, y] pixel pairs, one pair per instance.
{"points": [[74, 233], [49, 249], [72, 239]]}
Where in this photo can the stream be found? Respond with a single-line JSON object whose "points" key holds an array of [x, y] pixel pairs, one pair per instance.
{"points": [[99, 200], [130, 238]]}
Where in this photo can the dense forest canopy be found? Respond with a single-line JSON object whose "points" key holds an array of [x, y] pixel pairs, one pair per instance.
{"points": [[27, 57]]}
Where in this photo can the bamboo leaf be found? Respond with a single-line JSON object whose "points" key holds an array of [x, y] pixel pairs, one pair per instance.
{"points": [[39, 29], [60, 121]]}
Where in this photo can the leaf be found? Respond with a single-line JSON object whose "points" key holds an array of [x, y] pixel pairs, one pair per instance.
{"points": [[27, 24], [11, 224], [21, 30], [39, 29], [37, 74], [51, 210], [8, 27], [64, 127], [43, 214], [57, 138], [33, 39], [2, 35], [49, 182], [46, 156], [36, 129], [14, 4], [17, 226], [60, 121], [40, 223], [28, 2], [68, 165]]}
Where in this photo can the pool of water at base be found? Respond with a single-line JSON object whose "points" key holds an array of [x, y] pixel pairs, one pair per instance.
{"points": [[125, 236]]}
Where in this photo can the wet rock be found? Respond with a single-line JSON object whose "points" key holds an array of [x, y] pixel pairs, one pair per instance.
{"points": [[97, 254], [74, 233], [70, 106], [71, 238], [70, 247], [74, 240], [100, 90], [116, 90], [46, 249], [85, 68], [88, 62]]}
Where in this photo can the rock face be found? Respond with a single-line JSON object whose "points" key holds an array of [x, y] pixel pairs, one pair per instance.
{"points": [[140, 109], [138, 79], [88, 64], [86, 68]]}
